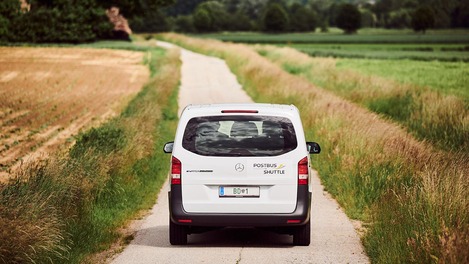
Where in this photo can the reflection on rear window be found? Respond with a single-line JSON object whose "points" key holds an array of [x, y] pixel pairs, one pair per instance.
{"points": [[239, 136]]}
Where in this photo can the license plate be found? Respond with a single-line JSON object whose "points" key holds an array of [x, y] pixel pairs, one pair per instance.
{"points": [[239, 191]]}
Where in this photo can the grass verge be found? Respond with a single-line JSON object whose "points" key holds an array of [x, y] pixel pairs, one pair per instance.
{"points": [[70, 206], [412, 197]]}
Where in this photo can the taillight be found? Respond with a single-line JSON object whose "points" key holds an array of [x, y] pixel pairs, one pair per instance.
{"points": [[175, 171], [303, 171]]}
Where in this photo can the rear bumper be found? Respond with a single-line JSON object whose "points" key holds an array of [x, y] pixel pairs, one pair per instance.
{"points": [[300, 216]]}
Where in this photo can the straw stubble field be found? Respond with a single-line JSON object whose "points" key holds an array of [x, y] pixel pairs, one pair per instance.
{"points": [[48, 95]]}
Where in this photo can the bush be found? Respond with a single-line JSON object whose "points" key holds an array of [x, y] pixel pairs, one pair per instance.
{"points": [[103, 140], [348, 18], [275, 19]]}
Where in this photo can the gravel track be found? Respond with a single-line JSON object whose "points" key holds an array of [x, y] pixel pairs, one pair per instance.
{"points": [[333, 237]]}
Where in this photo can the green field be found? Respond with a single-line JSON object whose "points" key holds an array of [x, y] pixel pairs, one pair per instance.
{"points": [[450, 78], [424, 52], [443, 45], [335, 36]]}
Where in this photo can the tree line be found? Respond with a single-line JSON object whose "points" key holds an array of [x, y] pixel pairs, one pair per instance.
{"points": [[76, 21], [68, 21], [308, 15]]}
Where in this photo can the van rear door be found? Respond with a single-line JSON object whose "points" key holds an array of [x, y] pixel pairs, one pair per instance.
{"points": [[239, 164]]}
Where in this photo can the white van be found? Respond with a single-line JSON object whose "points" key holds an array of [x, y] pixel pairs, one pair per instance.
{"points": [[240, 165]]}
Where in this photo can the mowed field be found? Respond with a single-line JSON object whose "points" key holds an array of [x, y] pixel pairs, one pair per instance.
{"points": [[47, 95]]}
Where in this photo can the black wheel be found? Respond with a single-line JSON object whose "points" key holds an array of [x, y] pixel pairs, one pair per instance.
{"points": [[302, 235], [177, 234]]}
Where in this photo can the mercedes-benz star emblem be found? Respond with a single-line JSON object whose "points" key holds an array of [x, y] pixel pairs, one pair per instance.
{"points": [[239, 167]]}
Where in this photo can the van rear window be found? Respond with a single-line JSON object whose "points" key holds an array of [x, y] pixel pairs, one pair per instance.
{"points": [[239, 136]]}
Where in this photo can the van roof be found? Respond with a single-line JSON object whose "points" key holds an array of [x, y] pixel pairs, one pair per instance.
{"points": [[247, 108]]}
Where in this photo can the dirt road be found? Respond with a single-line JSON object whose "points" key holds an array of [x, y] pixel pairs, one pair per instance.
{"points": [[333, 237]]}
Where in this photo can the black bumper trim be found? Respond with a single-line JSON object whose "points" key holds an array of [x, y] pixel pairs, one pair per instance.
{"points": [[301, 213]]}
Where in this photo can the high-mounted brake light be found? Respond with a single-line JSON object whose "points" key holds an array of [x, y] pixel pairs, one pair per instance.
{"points": [[303, 171], [175, 171], [239, 111]]}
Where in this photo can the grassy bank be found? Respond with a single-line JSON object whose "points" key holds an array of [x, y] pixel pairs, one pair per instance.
{"points": [[72, 205], [439, 115], [412, 197]]}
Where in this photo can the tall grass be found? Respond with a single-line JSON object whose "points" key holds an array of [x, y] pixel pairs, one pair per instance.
{"points": [[428, 114], [413, 198], [449, 78], [72, 205]]}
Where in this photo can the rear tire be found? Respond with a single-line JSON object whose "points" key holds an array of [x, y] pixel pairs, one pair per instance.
{"points": [[177, 234], [302, 235]]}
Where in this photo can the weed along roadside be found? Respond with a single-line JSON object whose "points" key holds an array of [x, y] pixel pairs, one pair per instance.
{"points": [[59, 210], [412, 197]]}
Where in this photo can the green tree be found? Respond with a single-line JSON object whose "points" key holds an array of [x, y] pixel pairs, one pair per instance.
{"points": [[151, 22], [182, 7], [4, 28], [61, 21], [368, 19], [275, 18], [302, 19], [10, 9], [422, 19], [252, 8], [202, 20], [131, 8], [348, 18], [461, 15], [219, 18]]}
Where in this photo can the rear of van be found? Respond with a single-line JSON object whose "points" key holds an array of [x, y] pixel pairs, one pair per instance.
{"points": [[240, 165]]}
